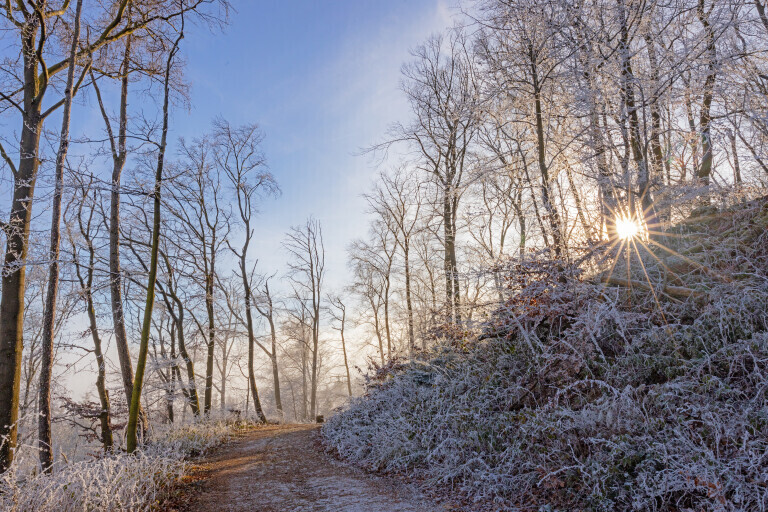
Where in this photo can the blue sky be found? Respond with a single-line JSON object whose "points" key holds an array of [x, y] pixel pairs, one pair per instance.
{"points": [[322, 80]]}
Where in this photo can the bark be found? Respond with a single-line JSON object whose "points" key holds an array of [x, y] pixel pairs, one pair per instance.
{"points": [[17, 243]]}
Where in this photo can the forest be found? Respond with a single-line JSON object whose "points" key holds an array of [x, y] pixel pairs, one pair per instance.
{"points": [[558, 303]]}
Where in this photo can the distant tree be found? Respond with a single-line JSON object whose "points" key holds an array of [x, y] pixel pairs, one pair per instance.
{"points": [[306, 271], [398, 199], [339, 313], [265, 305]]}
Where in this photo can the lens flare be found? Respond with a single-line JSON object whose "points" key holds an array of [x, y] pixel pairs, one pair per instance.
{"points": [[627, 228]]}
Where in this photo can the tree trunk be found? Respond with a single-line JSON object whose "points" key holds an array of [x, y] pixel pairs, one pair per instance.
{"points": [[45, 441], [344, 351], [275, 372], [315, 347], [251, 340], [86, 284], [635, 140], [546, 194], [736, 165], [705, 117], [657, 155], [194, 400], [116, 276], [14, 265], [408, 305], [133, 415], [210, 341], [449, 259]]}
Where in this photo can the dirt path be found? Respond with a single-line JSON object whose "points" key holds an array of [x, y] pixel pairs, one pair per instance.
{"points": [[283, 469]]}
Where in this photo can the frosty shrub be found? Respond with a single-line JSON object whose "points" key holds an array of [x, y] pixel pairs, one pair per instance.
{"points": [[583, 393], [119, 481]]}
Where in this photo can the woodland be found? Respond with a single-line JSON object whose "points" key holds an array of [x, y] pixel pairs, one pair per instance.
{"points": [[559, 303]]}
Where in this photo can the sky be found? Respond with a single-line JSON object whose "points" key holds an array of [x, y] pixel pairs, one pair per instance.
{"points": [[322, 79]]}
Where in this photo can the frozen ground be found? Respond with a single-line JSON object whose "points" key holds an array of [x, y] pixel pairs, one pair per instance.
{"points": [[282, 468]]}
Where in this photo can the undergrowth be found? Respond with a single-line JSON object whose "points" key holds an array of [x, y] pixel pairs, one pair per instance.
{"points": [[117, 481], [581, 394]]}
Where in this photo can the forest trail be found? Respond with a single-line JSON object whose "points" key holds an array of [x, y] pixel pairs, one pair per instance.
{"points": [[282, 468]]}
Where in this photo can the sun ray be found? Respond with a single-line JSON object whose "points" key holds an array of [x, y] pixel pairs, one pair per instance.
{"points": [[650, 284]]}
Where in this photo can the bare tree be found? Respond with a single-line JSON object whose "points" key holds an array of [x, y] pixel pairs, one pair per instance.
{"points": [[265, 305], [238, 154], [87, 231], [442, 89], [38, 26], [133, 415], [339, 313], [45, 442], [306, 270], [398, 198]]}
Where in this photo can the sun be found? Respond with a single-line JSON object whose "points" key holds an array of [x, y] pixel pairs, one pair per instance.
{"points": [[627, 228]]}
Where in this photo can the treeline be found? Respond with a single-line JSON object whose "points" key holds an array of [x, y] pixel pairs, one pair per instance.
{"points": [[536, 127]]}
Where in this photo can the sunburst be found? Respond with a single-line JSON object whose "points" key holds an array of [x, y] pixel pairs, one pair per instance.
{"points": [[627, 228]]}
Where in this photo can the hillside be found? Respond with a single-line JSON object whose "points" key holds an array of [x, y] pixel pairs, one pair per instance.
{"points": [[595, 386]]}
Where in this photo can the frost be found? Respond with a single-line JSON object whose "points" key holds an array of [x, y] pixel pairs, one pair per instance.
{"points": [[118, 481], [578, 395]]}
